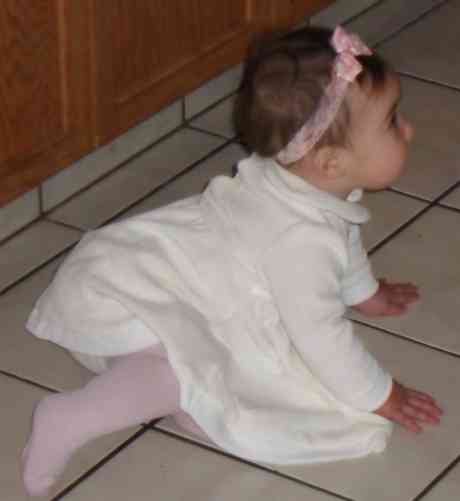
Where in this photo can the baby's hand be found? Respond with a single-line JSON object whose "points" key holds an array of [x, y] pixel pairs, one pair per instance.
{"points": [[410, 408], [389, 300]]}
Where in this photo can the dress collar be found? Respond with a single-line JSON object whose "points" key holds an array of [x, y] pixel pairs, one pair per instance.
{"points": [[300, 194]]}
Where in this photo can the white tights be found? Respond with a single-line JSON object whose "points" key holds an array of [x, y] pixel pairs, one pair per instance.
{"points": [[135, 389]]}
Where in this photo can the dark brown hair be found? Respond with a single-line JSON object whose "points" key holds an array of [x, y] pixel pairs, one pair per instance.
{"points": [[283, 80]]}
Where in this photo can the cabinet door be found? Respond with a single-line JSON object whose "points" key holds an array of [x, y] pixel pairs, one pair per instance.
{"points": [[150, 52], [44, 90]]}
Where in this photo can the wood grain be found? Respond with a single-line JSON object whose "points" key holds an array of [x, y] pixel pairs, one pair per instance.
{"points": [[44, 90]]}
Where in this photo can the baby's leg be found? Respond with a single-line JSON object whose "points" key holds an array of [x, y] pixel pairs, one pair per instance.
{"points": [[135, 389]]}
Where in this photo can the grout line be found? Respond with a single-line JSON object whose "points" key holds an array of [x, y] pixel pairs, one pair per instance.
{"points": [[258, 466], [210, 133], [210, 107], [100, 464], [419, 198], [428, 80], [364, 11], [410, 23], [36, 269], [21, 229], [69, 226], [27, 381], [437, 479], [449, 207], [398, 230], [405, 338]]}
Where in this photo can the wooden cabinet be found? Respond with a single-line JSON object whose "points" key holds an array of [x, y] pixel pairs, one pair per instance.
{"points": [[44, 99], [77, 73]]}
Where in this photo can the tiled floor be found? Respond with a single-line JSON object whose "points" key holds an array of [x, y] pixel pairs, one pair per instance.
{"points": [[414, 235]]}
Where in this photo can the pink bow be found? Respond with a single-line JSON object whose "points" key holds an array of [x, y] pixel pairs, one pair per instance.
{"points": [[346, 68], [347, 46]]}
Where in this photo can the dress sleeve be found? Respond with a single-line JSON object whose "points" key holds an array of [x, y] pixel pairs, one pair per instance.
{"points": [[359, 282], [304, 269]]}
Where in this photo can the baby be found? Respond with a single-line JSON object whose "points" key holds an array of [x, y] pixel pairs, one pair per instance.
{"points": [[227, 309]]}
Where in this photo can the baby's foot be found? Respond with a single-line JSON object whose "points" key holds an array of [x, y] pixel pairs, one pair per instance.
{"points": [[50, 445]]}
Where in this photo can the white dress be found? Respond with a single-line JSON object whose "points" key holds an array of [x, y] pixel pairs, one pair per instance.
{"points": [[246, 286]]}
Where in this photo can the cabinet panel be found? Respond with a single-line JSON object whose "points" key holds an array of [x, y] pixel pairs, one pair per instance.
{"points": [[149, 39], [44, 122]]}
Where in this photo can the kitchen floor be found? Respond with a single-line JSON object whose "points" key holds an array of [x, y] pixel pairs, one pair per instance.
{"points": [[414, 236]]}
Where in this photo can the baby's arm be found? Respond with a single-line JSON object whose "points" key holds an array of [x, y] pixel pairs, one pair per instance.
{"points": [[304, 271], [404, 406], [385, 299], [304, 279]]}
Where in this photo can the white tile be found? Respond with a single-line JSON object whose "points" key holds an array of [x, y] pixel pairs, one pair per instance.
{"points": [[429, 48], [85, 171], [410, 462], [426, 253], [136, 179], [447, 489], [19, 400], [192, 182], [19, 213], [212, 91], [388, 17], [389, 211], [218, 120], [341, 11], [433, 164], [161, 467], [25, 355], [32, 247]]}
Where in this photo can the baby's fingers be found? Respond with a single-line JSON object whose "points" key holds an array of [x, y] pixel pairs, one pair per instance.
{"points": [[407, 421], [422, 414], [404, 293], [423, 407], [423, 398]]}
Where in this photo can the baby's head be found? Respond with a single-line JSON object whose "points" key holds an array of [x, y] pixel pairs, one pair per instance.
{"points": [[292, 106]]}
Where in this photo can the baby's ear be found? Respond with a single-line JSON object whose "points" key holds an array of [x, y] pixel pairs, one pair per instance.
{"points": [[330, 162]]}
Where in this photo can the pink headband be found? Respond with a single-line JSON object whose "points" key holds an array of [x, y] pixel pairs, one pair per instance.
{"points": [[346, 68]]}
